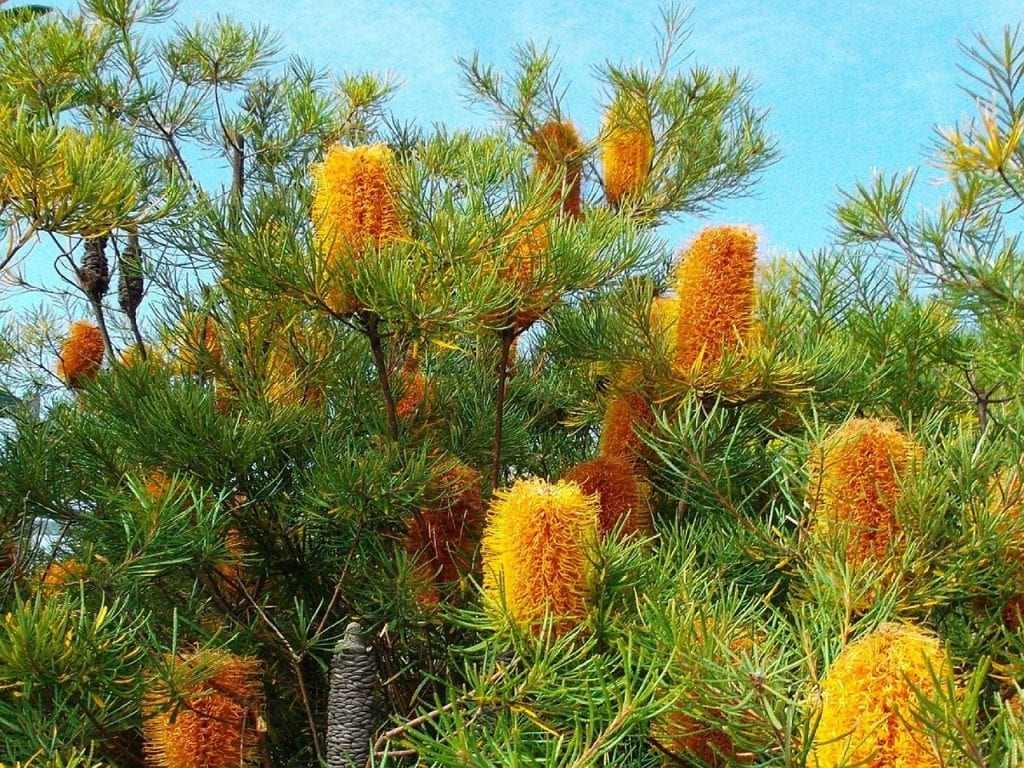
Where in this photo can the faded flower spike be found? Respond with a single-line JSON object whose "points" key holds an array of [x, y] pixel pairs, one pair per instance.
{"points": [[716, 297], [854, 486], [536, 550], [624, 497], [870, 701], [217, 723], [81, 354], [627, 150], [354, 206], [560, 160]]}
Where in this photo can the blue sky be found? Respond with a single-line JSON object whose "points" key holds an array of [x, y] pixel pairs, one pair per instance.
{"points": [[851, 85]]}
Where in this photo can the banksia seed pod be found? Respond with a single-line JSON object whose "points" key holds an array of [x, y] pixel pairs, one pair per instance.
{"points": [[627, 149], [94, 274], [716, 297], [130, 285], [870, 701], [218, 722], [354, 206], [854, 486], [536, 550], [623, 414], [560, 160], [81, 354], [350, 721], [623, 496]]}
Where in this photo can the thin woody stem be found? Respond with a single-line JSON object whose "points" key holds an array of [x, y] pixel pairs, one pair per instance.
{"points": [[371, 323], [499, 416]]}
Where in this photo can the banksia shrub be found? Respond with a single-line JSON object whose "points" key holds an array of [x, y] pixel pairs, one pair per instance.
{"points": [[536, 550], [216, 725], [627, 149], [354, 207], [560, 160], [624, 413], [854, 486], [623, 496], [350, 722], [715, 287], [81, 354], [443, 534], [870, 700]]}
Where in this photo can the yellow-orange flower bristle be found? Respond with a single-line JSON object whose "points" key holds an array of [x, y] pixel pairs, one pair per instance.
{"points": [[623, 414], [627, 150], [443, 534], [202, 348], [354, 206], [1005, 502], [855, 486], [560, 160], [536, 550], [217, 724], [870, 701], [81, 354], [231, 567], [715, 288], [682, 737], [624, 497], [59, 574], [414, 388]]}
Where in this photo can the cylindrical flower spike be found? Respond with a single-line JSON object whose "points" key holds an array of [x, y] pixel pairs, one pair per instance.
{"points": [[623, 414], [624, 497], [536, 550], [870, 700], [58, 575], [354, 206], [217, 725], [81, 354], [854, 486], [627, 150], [560, 160], [716, 297]]}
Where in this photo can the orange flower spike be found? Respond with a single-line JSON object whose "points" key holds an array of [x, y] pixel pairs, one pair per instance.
{"points": [[627, 150], [81, 354], [623, 414], [624, 497], [536, 550], [217, 726], [869, 701], [58, 575], [716, 296], [854, 485], [560, 160], [414, 388]]}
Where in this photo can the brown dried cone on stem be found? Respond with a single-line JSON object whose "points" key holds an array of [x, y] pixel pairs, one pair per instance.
{"points": [[623, 496], [350, 703], [218, 723], [130, 285], [94, 274]]}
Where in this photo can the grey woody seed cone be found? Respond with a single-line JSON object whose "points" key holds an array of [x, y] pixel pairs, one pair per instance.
{"points": [[350, 721], [94, 274], [130, 286]]}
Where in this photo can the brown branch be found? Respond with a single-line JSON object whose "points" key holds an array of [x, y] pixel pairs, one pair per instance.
{"points": [[371, 323], [507, 337]]}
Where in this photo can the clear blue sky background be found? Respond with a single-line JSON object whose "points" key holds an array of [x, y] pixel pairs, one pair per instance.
{"points": [[851, 85]]}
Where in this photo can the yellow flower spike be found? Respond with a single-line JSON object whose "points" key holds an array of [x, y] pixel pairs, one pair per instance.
{"points": [[715, 297], [560, 159], [624, 413], [627, 150], [81, 354], [354, 206], [217, 725], [854, 486], [536, 550], [870, 701]]}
